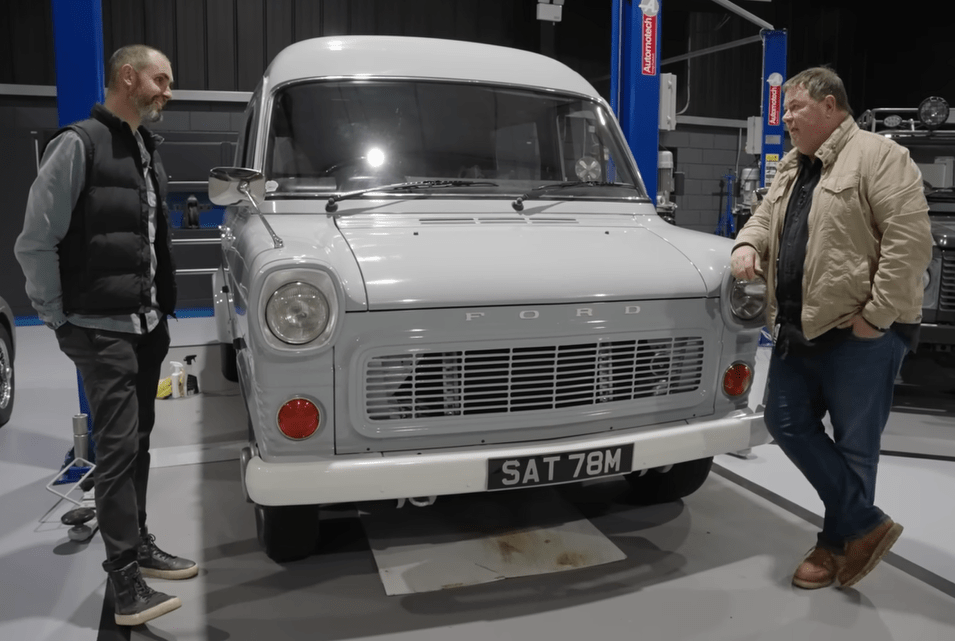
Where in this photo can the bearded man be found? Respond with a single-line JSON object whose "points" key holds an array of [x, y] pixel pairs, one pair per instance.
{"points": [[97, 256]]}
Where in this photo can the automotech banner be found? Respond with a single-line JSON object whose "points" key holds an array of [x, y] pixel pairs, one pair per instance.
{"points": [[648, 37]]}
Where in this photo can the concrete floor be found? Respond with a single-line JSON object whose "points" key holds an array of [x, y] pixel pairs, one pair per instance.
{"points": [[714, 566]]}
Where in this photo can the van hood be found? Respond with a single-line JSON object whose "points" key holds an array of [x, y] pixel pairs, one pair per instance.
{"points": [[456, 265]]}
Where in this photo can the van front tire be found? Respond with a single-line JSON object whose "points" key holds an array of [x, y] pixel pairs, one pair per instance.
{"points": [[287, 532], [677, 482]]}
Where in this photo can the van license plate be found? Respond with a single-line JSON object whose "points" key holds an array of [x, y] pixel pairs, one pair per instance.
{"points": [[548, 469]]}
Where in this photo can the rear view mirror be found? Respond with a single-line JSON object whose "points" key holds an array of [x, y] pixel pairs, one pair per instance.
{"points": [[233, 185]]}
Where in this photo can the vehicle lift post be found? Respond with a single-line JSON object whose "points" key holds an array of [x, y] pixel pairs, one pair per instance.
{"points": [[635, 80], [635, 83], [80, 83], [774, 75]]}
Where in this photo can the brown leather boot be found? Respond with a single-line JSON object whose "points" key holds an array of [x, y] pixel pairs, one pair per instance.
{"points": [[864, 553], [818, 569]]}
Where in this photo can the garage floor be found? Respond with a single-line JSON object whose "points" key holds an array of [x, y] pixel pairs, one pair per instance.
{"points": [[715, 566]]}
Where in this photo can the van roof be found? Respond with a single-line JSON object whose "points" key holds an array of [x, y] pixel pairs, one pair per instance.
{"points": [[395, 56]]}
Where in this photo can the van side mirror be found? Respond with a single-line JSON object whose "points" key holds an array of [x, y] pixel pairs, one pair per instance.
{"points": [[233, 185]]}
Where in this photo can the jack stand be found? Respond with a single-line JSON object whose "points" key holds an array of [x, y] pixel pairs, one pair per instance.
{"points": [[82, 514], [726, 226], [78, 518]]}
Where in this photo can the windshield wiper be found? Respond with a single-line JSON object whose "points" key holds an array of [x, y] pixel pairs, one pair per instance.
{"points": [[537, 192], [332, 204]]}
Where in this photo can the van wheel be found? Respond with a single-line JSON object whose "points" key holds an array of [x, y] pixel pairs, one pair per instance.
{"points": [[680, 480], [227, 360], [287, 532], [7, 382]]}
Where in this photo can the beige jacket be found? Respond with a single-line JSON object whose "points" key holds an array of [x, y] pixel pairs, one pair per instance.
{"points": [[870, 239]]}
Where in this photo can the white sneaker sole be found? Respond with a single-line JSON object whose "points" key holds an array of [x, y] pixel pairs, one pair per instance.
{"points": [[173, 575], [148, 615]]}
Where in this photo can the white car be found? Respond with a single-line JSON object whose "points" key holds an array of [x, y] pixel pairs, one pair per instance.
{"points": [[7, 352], [442, 274]]}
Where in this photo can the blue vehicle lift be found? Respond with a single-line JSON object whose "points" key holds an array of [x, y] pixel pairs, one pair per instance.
{"points": [[635, 81], [774, 74], [80, 82], [635, 87]]}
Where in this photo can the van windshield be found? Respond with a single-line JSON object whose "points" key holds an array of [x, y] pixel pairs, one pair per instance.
{"points": [[328, 137]]}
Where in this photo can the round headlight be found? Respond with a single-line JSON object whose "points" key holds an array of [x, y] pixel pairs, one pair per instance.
{"points": [[748, 298], [926, 278], [297, 313], [933, 112]]}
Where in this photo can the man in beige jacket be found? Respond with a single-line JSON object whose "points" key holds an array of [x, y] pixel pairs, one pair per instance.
{"points": [[842, 239]]}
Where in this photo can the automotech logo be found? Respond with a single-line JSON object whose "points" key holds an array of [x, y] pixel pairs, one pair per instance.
{"points": [[775, 81], [648, 37]]}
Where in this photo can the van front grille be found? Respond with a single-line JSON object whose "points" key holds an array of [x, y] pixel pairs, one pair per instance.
{"points": [[441, 384], [946, 291]]}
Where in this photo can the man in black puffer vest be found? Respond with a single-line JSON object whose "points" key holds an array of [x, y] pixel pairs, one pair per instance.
{"points": [[97, 256]]}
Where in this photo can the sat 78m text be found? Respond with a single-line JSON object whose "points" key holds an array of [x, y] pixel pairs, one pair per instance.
{"points": [[586, 464]]}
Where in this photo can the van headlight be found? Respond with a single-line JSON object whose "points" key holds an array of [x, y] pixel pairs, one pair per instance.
{"points": [[297, 313], [748, 298]]}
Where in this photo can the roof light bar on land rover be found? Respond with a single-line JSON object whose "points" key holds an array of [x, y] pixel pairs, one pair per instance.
{"points": [[933, 112]]}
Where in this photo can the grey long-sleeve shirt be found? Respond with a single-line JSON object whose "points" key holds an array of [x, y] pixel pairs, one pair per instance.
{"points": [[53, 196]]}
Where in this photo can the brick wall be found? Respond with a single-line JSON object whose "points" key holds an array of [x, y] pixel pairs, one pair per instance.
{"points": [[705, 155]]}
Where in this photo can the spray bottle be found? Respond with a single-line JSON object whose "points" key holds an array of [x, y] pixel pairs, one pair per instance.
{"points": [[192, 381], [178, 380]]}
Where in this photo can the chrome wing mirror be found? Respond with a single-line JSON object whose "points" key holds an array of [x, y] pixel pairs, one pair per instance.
{"points": [[233, 185]]}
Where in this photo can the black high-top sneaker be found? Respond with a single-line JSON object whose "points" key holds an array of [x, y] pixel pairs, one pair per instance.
{"points": [[134, 602], [155, 563]]}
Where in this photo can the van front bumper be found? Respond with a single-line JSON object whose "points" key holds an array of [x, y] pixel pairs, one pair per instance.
{"points": [[378, 476]]}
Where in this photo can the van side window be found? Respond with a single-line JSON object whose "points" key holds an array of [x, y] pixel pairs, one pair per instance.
{"points": [[245, 150]]}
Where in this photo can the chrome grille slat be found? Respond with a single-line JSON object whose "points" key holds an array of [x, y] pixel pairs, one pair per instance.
{"points": [[946, 293], [439, 384]]}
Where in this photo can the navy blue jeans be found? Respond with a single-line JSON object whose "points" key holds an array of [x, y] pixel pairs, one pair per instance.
{"points": [[853, 382]]}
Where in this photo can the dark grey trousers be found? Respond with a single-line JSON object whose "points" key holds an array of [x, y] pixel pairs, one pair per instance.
{"points": [[120, 375]]}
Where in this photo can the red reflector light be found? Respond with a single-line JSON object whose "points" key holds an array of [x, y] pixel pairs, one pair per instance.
{"points": [[298, 418], [737, 379]]}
